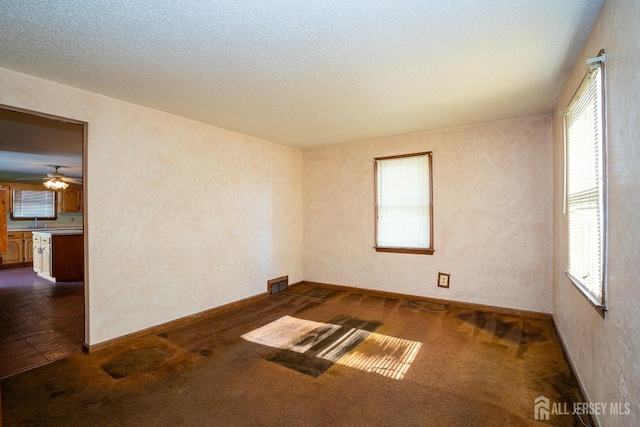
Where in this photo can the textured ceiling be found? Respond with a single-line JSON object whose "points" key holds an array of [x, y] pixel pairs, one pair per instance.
{"points": [[306, 73]]}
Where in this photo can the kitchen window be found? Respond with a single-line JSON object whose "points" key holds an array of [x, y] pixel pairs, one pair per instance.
{"points": [[585, 166], [32, 204], [404, 204]]}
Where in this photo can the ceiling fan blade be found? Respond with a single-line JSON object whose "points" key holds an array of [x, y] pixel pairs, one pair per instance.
{"points": [[72, 180], [29, 179]]}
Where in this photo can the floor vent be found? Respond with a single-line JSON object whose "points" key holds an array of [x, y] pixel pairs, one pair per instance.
{"points": [[278, 285]]}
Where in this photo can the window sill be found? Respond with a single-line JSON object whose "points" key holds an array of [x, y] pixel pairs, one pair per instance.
{"points": [[405, 250], [601, 309], [31, 218]]}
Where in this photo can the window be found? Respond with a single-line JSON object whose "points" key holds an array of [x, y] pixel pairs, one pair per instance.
{"points": [[30, 204], [404, 213], [585, 185]]}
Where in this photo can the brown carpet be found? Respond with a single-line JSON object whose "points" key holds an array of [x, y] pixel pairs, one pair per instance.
{"points": [[473, 368]]}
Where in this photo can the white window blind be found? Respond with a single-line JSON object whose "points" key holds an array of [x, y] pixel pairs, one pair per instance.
{"points": [[585, 187], [34, 204], [404, 202]]}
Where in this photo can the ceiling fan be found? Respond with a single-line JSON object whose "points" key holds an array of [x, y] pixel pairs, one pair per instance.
{"points": [[55, 180]]}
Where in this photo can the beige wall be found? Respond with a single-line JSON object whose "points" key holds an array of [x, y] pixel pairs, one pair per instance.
{"points": [[493, 199], [606, 352], [181, 216]]}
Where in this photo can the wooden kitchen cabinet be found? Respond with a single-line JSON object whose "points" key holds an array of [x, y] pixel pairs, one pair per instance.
{"points": [[3, 224], [20, 249], [7, 197], [70, 200], [58, 256], [28, 247], [15, 248]]}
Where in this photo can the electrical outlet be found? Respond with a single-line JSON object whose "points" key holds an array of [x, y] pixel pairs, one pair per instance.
{"points": [[443, 280]]}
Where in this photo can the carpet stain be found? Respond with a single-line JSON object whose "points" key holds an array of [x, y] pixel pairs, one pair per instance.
{"points": [[501, 326], [205, 352], [301, 362], [54, 391], [565, 385], [353, 322], [136, 361], [308, 306], [321, 293]]}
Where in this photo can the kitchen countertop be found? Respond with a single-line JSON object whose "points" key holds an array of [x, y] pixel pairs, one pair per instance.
{"points": [[57, 232], [42, 229]]}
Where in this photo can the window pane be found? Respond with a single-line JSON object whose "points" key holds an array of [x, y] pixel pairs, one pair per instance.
{"points": [[34, 204], [403, 202], [585, 178]]}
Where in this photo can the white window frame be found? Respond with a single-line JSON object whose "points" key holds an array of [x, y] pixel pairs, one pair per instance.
{"points": [[585, 186], [422, 243]]}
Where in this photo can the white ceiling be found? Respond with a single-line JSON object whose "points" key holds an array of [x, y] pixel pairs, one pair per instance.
{"points": [[307, 73]]}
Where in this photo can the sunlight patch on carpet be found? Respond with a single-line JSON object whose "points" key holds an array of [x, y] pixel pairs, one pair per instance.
{"points": [[324, 344], [290, 333], [384, 355]]}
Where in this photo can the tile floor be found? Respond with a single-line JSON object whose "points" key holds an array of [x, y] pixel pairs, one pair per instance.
{"points": [[40, 321]]}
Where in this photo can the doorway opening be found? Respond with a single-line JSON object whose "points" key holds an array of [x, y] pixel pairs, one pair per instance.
{"points": [[43, 302]]}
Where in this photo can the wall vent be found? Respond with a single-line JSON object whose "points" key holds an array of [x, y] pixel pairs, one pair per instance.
{"points": [[278, 285]]}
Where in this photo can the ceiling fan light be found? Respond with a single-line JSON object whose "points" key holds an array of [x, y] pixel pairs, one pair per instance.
{"points": [[55, 184]]}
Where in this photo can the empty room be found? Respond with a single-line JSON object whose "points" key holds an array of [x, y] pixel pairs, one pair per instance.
{"points": [[319, 213]]}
